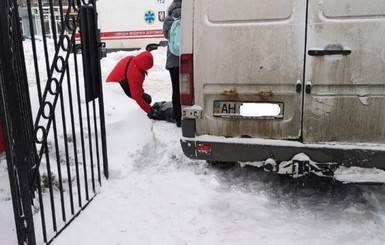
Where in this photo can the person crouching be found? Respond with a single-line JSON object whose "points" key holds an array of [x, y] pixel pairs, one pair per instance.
{"points": [[130, 73]]}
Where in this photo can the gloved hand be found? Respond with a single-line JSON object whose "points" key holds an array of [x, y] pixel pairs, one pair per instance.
{"points": [[155, 114], [152, 46]]}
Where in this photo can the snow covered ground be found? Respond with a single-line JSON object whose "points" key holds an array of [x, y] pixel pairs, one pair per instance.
{"points": [[156, 195]]}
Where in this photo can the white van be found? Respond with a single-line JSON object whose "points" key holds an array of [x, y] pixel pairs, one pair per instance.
{"points": [[274, 80], [131, 24]]}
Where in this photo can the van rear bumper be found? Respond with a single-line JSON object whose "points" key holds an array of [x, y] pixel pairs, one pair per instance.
{"points": [[254, 150]]}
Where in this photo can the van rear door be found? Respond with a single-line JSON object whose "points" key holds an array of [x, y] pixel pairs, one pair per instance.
{"points": [[249, 52], [345, 71]]}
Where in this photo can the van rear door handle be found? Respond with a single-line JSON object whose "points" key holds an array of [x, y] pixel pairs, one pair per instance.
{"points": [[298, 86], [323, 52], [308, 87]]}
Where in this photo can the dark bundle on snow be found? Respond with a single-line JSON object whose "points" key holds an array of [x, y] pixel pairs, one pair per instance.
{"points": [[165, 108]]}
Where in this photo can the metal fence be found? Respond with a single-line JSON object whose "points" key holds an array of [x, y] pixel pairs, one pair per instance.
{"points": [[52, 113]]}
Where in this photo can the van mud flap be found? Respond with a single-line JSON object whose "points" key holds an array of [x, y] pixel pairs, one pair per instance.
{"points": [[302, 157]]}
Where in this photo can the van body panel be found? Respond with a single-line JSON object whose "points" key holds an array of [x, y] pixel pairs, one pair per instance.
{"points": [[348, 91], [187, 25], [258, 63], [248, 10], [348, 8]]}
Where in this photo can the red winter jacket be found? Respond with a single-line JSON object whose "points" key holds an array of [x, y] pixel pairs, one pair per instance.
{"points": [[135, 74]]}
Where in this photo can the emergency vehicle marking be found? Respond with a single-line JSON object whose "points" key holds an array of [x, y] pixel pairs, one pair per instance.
{"points": [[149, 17], [138, 34], [161, 16]]}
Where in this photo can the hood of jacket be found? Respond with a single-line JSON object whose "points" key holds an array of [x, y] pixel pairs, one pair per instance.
{"points": [[144, 61], [175, 9]]}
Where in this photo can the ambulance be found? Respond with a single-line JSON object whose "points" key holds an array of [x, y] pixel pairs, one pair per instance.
{"points": [[295, 85], [129, 24]]}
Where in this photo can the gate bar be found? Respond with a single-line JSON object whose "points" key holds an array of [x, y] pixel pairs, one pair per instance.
{"points": [[17, 119]]}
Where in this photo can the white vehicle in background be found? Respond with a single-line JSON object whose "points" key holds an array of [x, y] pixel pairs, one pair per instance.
{"points": [[123, 24], [129, 24], [272, 81]]}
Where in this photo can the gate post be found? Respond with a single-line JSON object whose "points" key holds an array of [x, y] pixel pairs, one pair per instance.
{"points": [[92, 54], [16, 117]]}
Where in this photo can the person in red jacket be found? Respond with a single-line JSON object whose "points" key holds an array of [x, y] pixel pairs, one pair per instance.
{"points": [[130, 72]]}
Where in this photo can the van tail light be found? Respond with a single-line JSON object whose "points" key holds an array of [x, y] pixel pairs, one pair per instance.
{"points": [[186, 79], [204, 148]]}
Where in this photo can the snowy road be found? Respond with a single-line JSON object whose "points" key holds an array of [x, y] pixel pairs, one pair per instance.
{"points": [[164, 198]]}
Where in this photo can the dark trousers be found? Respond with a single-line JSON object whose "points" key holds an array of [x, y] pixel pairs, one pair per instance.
{"points": [[126, 89], [174, 74]]}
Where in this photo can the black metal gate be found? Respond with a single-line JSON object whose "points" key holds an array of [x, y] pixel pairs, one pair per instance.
{"points": [[52, 112]]}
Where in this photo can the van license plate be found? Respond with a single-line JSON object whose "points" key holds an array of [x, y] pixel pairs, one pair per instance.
{"points": [[236, 109]]}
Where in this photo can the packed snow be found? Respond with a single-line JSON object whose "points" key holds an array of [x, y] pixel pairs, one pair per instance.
{"points": [[156, 195]]}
